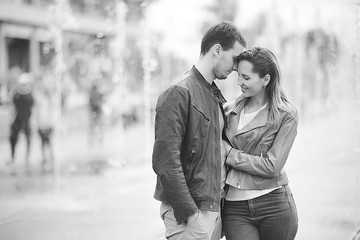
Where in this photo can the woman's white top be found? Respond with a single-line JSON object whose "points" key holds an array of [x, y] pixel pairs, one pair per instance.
{"points": [[235, 194]]}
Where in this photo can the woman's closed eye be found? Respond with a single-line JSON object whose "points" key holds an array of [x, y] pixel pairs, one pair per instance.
{"points": [[246, 77]]}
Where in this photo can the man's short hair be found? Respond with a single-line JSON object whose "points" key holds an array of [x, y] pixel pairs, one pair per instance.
{"points": [[225, 34]]}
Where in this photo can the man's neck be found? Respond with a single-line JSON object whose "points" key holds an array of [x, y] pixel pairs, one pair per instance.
{"points": [[203, 66]]}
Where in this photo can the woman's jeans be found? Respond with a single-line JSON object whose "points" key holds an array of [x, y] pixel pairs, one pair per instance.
{"points": [[269, 217]]}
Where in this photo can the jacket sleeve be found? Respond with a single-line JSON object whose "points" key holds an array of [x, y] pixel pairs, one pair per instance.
{"points": [[271, 163], [170, 127]]}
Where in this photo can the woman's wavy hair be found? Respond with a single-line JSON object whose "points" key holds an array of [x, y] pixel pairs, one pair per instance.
{"points": [[265, 62]]}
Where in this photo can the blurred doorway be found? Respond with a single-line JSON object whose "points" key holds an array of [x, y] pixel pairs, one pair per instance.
{"points": [[18, 53]]}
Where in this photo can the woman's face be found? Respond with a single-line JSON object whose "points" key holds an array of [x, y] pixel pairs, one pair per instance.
{"points": [[251, 84]]}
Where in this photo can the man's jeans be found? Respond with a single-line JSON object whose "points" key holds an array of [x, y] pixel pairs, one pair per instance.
{"points": [[203, 226], [269, 217]]}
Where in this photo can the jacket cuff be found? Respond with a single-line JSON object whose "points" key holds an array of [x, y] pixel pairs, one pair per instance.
{"points": [[181, 215], [233, 157]]}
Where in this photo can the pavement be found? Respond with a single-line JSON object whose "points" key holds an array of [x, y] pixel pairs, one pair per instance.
{"points": [[324, 172], [99, 191], [105, 192]]}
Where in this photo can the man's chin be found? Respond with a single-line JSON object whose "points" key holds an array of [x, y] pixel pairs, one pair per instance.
{"points": [[222, 77]]}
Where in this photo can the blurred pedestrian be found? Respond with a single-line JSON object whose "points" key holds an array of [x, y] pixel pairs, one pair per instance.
{"points": [[262, 125], [96, 107], [23, 102], [188, 129], [67, 87], [46, 110]]}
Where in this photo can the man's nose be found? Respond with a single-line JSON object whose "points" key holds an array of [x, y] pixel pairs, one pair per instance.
{"points": [[234, 68]]}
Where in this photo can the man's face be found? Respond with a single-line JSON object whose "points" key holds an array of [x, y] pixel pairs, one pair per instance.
{"points": [[226, 61]]}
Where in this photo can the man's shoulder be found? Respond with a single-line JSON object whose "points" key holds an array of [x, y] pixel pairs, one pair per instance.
{"points": [[184, 83], [184, 80]]}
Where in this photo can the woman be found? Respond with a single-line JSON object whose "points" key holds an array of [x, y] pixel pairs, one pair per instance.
{"points": [[262, 126]]}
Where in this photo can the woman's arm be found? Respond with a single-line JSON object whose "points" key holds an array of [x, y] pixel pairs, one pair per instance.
{"points": [[270, 164]]}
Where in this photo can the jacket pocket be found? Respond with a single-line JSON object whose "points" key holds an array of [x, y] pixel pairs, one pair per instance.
{"points": [[198, 109], [191, 163], [201, 121]]}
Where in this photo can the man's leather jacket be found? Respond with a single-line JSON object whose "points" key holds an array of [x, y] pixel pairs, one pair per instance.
{"points": [[186, 154]]}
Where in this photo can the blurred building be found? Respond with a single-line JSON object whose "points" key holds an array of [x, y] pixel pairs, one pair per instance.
{"points": [[27, 37], [89, 33]]}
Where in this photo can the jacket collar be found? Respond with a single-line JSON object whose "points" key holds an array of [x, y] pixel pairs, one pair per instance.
{"points": [[260, 119], [213, 88]]}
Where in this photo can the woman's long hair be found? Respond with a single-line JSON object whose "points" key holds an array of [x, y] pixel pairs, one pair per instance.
{"points": [[265, 62]]}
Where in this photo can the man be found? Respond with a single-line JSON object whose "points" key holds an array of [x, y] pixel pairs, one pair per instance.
{"points": [[188, 154], [23, 102]]}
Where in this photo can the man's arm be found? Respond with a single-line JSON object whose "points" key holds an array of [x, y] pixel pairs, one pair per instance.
{"points": [[170, 127]]}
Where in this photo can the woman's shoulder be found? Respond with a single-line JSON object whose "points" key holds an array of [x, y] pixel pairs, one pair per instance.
{"points": [[289, 111], [230, 106]]}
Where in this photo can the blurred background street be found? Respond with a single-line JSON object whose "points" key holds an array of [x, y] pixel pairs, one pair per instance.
{"points": [[101, 196], [97, 68]]}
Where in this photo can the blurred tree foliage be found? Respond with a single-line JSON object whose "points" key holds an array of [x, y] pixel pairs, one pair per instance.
{"points": [[326, 48], [311, 59]]}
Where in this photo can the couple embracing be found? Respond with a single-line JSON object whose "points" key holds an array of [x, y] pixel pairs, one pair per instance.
{"points": [[219, 165]]}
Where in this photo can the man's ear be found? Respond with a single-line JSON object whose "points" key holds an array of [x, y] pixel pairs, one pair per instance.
{"points": [[216, 49]]}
